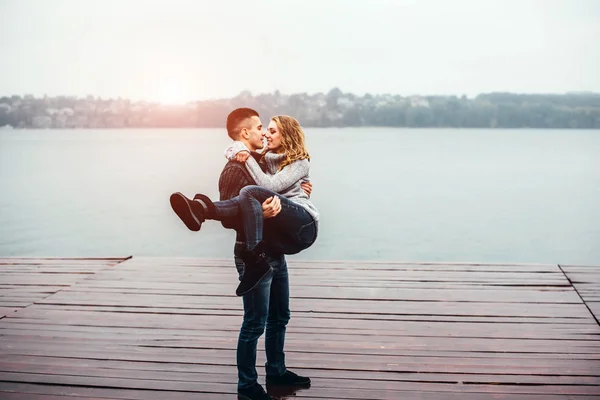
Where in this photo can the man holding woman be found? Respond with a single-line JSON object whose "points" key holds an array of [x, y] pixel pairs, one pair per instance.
{"points": [[273, 218]]}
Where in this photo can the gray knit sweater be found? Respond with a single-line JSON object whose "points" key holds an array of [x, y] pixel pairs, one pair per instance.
{"points": [[285, 182]]}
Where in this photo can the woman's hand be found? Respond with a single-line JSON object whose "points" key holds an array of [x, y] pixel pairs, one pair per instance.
{"points": [[242, 156], [271, 207], [307, 187]]}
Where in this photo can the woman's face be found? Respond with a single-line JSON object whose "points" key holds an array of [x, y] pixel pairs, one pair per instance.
{"points": [[273, 136]]}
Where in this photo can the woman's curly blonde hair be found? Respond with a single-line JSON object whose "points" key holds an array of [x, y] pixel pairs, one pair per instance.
{"points": [[292, 139]]}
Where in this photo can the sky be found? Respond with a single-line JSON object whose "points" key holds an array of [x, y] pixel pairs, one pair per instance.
{"points": [[182, 50]]}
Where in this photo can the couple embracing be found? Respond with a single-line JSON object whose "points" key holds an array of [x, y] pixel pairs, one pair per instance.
{"points": [[265, 197]]}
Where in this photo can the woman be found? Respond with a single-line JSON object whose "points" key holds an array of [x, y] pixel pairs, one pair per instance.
{"points": [[287, 166]]}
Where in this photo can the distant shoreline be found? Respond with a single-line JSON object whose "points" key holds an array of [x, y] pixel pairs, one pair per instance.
{"points": [[4, 129], [321, 110]]}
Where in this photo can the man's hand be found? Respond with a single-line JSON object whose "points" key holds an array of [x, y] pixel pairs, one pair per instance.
{"points": [[307, 187], [242, 156], [271, 207]]}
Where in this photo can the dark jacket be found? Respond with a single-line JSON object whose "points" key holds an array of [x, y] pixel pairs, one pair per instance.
{"points": [[233, 178]]}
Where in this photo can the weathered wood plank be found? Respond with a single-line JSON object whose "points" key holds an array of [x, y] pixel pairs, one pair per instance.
{"points": [[365, 293], [586, 280], [4, 311], [104, 393], [210, 373], [352, 389], [151, 328], [182, 328], [540, 320], [358, 362], [474, 308], [31, 396], [23, 281]]}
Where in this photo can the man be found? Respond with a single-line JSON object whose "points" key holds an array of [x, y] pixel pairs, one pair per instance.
{"points": [[267, 305]]}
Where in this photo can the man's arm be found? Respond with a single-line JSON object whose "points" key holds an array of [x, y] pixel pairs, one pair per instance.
{"points": [[233, 178]]}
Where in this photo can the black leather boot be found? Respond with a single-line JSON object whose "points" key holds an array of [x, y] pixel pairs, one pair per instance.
{"points": [[209, 207], [256, 268], [189, 211]]}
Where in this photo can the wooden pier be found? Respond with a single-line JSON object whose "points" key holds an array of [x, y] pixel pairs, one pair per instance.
{"points": [[166, 328]]}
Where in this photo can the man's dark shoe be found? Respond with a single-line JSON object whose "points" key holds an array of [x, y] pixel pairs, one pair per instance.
{"points": [[285, 392], [255, 392], [256, 268], [288, 379], [189, 211]]}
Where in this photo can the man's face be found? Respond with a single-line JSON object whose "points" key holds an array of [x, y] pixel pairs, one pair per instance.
{"points": [[253, 134]]}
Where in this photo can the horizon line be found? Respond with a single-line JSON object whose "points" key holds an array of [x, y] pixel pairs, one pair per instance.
{"points": [[250, 93]]}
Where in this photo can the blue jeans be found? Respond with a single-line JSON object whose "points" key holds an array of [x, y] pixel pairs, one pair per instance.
{"points": [[290, 232], [268, 305]]}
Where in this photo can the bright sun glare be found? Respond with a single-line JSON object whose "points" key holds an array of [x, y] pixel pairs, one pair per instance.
{"points": [[172, 93]]}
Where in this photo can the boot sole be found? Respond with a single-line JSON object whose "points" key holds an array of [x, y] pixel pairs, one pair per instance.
{"points": [[304, 385], [256, 284], [180, 205]]}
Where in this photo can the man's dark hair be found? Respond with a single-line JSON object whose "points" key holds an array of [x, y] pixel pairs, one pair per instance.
{"points": [[235, 118]]}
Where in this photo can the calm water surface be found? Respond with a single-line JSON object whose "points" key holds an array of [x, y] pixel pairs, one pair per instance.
{"points": [[383, 194]]}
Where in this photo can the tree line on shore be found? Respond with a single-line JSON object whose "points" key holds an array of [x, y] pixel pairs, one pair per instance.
{"points": [[332, 109]]}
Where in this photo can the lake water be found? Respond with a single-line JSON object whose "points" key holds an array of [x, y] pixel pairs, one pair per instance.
{"points": [[383, 193]]}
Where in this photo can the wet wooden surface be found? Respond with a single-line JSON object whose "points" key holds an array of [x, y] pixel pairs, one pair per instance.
{"points": [[586, 280], [24, 281], [166, 328]]}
